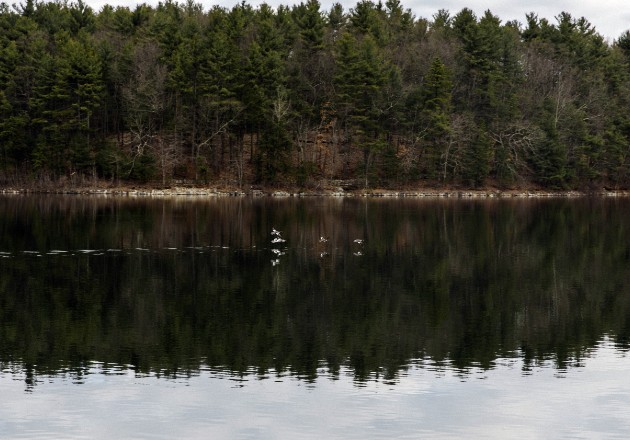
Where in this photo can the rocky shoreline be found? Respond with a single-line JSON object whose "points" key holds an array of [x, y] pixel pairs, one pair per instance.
{"points": [[335, 192]]}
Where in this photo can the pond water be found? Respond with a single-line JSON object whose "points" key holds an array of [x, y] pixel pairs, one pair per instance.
{"points": [[361, 318]]}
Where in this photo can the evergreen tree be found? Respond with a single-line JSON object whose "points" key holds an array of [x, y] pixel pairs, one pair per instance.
{"points": [[69, 105], [273, 150], [477, 159], [436, 108], [185, 82], [309, 66], [550, 157], [361, 76], [310, 23]]}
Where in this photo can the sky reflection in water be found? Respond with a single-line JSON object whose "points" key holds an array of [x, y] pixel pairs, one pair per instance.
{"points": [[583, 402]]}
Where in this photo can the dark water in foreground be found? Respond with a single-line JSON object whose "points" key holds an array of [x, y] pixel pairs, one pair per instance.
{"points": [[181, 318]]}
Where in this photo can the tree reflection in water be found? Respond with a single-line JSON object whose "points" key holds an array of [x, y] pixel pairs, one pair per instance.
{"points": [[170, 286]]}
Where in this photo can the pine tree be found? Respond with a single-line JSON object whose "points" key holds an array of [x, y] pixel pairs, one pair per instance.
{"points": [[185, 83], [435, 116], [273, 149], [75, 95], [310, 23], [477, 159], [360, 79], [550, 159]]}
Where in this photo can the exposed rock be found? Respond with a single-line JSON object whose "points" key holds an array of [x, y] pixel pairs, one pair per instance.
{"points": [[280, 194], [340, 188]]}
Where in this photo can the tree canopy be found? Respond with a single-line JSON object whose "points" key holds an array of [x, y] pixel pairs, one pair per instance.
{"points": [[297, 94]]}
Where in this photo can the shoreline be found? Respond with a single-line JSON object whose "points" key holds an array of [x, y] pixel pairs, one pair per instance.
{"points": [[338, 192]]}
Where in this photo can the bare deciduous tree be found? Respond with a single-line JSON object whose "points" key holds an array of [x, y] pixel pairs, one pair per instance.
{"points": [[145, 101]]}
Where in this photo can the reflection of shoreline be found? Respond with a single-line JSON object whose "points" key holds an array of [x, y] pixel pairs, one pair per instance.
{"points": [[516, 360], [458, 281], [336, 192]]}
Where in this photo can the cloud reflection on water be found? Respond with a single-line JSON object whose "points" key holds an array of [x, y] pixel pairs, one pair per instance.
{"points": [[586, 402]]}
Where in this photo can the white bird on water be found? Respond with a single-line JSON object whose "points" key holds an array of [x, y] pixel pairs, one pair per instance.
{"points": [[278, 240], [358, 241], [275, 232], [323, 240]]}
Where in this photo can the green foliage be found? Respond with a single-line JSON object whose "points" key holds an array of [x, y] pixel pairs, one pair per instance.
{"points": [[310, 23], [361, 76], [435, 116], [388, 167], [144, 168], [551, 158], [196, 88], [272, 160], [478, 159], [304, 173]]}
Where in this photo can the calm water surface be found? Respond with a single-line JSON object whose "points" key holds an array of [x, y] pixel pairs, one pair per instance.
{"points": [[182, 318]]}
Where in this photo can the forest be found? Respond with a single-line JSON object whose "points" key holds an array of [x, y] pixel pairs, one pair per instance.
{"points": [[298, 96]]}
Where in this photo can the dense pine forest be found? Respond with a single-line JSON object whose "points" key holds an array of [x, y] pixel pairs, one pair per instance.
{"points": [[300, 95]]}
